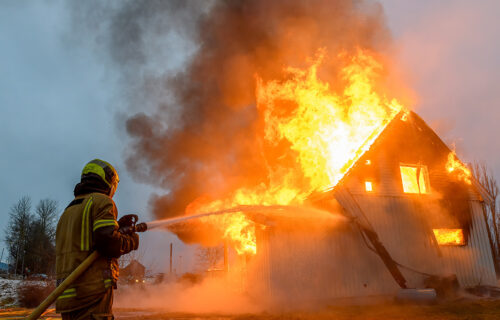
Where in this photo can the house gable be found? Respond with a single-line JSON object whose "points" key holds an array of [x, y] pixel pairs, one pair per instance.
{"points": [[407, 141]]}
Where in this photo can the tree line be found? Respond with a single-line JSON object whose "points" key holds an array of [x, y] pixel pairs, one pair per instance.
{"points": [[30, 236]]}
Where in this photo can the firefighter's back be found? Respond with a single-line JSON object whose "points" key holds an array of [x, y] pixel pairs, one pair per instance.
{"points": [[74, 244]]}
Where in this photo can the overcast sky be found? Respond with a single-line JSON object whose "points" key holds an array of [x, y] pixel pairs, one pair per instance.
{"points": [[59, 105], [59, 110]]}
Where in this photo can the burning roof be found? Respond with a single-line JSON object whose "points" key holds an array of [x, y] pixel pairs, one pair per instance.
{"points": [[240, 228], [309, 135]]}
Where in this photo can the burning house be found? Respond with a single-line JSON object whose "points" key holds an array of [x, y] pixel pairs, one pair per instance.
{"points": [[282, 102], [300, 104], [406, 212], [414, 213]]}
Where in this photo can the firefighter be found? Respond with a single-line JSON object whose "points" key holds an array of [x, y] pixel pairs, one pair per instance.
{"points": [[87, 224]]}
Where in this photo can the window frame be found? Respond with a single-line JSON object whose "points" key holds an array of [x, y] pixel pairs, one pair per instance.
{"points": [[462, 231], [424, 171]]}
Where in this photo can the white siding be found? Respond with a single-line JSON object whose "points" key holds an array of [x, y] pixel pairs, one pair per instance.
{"points": [[327, 265], [298, 265], [473, 264]]}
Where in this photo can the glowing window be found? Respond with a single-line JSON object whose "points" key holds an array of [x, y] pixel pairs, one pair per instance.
{"points": [[449, 237], [368, 186], [415, 179]]}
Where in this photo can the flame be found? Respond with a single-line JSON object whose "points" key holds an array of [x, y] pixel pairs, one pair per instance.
{"points": [[453, 165], [235, 228], [449, 236], [311, 135], [328, 131]]}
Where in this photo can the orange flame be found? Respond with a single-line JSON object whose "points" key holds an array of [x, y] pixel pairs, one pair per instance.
{"points": [[328, 131], [453, 165], [324, 132], [449, 236]]}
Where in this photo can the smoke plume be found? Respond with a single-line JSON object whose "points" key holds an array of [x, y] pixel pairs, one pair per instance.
{"points": [[189, 72]]}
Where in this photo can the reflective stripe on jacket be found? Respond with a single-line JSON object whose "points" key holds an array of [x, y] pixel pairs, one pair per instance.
{"points": [[75, 241]]}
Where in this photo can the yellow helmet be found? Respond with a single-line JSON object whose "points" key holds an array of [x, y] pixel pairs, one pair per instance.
{"points": [[104, 170]]}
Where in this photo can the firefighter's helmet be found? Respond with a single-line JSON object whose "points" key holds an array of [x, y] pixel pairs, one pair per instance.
{"points": [[104, 170]]}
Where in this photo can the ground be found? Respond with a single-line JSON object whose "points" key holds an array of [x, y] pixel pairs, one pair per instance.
{"points": [[8, 292], [464, 308], [460, 309]]}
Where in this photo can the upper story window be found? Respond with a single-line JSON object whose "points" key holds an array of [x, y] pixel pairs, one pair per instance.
{"points": [[368, 186], [415, 179]]}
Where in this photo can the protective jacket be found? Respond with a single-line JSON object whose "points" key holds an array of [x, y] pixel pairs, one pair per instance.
{"points": [[88, 224]]}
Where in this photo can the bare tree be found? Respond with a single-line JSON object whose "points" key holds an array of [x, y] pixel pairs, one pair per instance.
{"points": [[46, 211], [41, 249], [31, 237], [17, 231], [209, 257], [485, 177]]}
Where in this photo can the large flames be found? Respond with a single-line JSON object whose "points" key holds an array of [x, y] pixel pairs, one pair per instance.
{"points": [[310, 134], [454, 166]]}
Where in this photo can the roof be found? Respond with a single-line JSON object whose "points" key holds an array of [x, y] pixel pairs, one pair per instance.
{"points": [[134, 268], [421, 133]]}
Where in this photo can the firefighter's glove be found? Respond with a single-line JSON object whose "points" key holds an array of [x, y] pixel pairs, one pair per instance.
{"points": [[126, 224], [134, 237], [128, 220]]}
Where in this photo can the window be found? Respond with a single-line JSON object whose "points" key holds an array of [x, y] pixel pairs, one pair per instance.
{"points": [[415, 179], [449, 237], [368, 186]]}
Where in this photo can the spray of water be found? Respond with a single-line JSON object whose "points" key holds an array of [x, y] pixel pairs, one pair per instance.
{"points": [[259, 211]]}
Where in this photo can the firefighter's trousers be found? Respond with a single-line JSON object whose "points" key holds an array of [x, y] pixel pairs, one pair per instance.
{"points": [[101, 309]]}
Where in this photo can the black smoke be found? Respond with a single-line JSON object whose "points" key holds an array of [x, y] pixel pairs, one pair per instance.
{"points": [[193, 127]]}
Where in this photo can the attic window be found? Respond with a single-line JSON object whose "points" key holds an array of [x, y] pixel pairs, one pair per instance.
{"points": [[368, 186], [415, 179]]}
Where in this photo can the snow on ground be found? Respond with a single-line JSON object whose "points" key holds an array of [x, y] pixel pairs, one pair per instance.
{"points": [[8, 292]]}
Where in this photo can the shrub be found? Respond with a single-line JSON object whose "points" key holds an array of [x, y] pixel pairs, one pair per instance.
{"points": [[7, 302], [31, 293]]}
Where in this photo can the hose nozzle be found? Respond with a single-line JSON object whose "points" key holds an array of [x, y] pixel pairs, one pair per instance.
{"points": [[141, 227]]}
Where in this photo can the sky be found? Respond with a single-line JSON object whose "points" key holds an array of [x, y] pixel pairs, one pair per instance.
{"points": [[451, 54], [60, 105], [58, 110]]}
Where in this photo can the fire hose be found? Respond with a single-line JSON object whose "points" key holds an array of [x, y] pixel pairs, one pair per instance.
{"points": [[128, 228]]}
